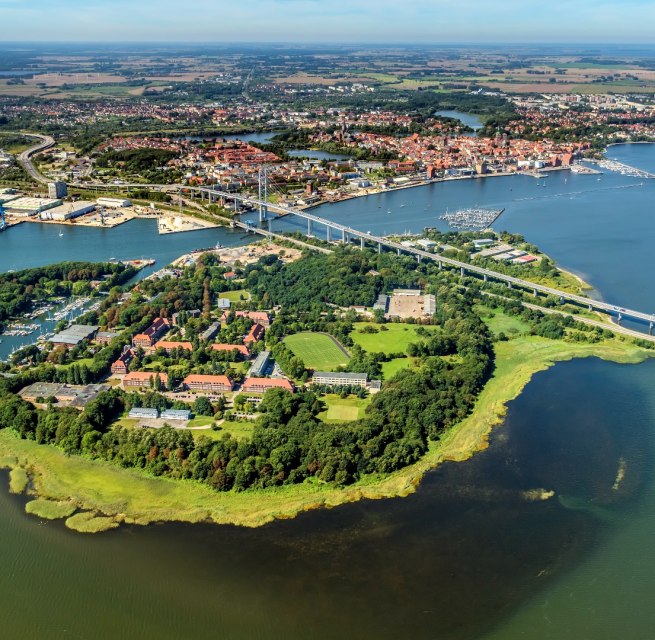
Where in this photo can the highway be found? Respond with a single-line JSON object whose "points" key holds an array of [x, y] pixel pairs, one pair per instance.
{"points": [[25, 158], [348, 233]]}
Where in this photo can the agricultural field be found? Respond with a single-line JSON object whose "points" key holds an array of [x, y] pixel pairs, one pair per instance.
{"points": [[397, 337], [343, 409], [317, 350]]}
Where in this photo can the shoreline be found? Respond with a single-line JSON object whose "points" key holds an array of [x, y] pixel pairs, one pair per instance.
{"points": [[114, 496]]}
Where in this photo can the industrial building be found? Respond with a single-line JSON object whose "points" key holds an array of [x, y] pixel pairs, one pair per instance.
{"points": [[25, 206], [113, 203], [77, 396], [67, 211]]}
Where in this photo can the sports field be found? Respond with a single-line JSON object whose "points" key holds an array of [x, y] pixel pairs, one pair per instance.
{"points": [[317, 350]]}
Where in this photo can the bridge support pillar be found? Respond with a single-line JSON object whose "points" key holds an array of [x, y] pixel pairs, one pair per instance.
{"points": [[618, 320], [509, 285], [485, 277], [309, 227], [590, 308], [344, 236], [440, 265], [418, 258], [269, 224], [462, 271], [534, 293], [398, 251], [379, 247], [328, 233], [650, 329]]}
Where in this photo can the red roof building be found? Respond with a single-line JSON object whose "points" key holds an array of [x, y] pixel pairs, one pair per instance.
{"points": [[120, 366], [262, 385], [169, 345], [143, 378], [241, 348], [255, 334], [151, 334], [211, 384]]}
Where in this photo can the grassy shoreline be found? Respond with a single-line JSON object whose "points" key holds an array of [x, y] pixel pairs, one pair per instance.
{"points": [[111, 495]]}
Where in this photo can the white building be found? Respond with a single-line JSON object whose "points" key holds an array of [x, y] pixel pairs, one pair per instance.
{"points": [[113, 203], [340, 379], [67, 211]]}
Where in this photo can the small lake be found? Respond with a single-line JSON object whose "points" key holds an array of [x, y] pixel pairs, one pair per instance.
{"points": [[469, 119]]}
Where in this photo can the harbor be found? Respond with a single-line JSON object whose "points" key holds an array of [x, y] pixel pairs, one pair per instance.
{"points": [[471, 219]]}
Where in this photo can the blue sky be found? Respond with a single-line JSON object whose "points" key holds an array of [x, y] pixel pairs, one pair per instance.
{"points": [[379, 21]]}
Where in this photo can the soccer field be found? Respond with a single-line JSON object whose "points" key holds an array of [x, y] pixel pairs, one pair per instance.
{"points": [[316, 350]]}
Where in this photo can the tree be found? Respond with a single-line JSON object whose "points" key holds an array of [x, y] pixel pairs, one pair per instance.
{"points": [[203, 407]]}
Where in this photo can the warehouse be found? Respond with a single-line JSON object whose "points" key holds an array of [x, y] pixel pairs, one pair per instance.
{"points": [[68, 211]]}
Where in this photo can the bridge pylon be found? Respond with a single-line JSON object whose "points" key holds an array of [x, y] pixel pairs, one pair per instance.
{"points": [[262, 190]]}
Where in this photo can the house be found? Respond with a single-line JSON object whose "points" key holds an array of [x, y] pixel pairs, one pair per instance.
{"points": [[240, 348], [208, 383], [229, 275], [340, 379], [262, 385], [105, 337], [255, 334], [146, 339], [169, 345], [120, 366], [143, 378]]}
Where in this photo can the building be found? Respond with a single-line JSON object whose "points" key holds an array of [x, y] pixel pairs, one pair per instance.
{"points": [[240, 348], [255, 334], [73, 335], [208, 383], [57, 190], [382, 303], [260, 317], [210, 332], [77, 396], [120, 366], [260, 365], [26, 206], [143, 412], [105, 337], [169, 345], [176, 414], [340, 379], [67, 211], [429, 304], [224, 303], [151, 334], [113, 203], [143, 378], [262, 385]]}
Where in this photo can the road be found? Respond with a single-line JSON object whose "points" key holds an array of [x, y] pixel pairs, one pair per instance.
{"points": [[25, 158]]}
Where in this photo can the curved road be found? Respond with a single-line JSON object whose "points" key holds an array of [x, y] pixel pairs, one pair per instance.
{"points": [[25, 158]]}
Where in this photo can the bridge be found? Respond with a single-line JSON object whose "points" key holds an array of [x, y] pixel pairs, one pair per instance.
{"points": [[336, 232]]}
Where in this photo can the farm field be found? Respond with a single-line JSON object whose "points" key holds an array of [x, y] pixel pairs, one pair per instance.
{"points": [[317, 350]]}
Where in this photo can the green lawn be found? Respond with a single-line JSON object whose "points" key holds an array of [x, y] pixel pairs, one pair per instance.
{"points": [[235, 296], [317, 350], [343, 409], [500, 322], [239, 429], [391, 368], [396, 339]]}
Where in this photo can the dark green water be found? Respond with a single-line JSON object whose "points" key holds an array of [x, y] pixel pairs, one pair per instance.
{"points": [[468, 556]]}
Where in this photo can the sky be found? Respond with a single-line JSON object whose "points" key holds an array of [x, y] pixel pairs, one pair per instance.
{"points": [[330, 21]]}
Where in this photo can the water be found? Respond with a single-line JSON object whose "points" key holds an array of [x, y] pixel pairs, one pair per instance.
{"points": [[33, 244], [467, 556], [469, 119], [316, 154], [253, 136]]}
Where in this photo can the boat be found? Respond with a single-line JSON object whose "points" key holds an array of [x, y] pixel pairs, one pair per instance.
{"points": [[61, 233]]}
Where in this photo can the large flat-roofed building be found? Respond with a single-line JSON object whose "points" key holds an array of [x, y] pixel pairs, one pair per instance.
{"points": [[176, 415], [74, 334], [77, 396], [27, 206], [340, 379], [208, 383], [114, 203], [143, 378], [143, 412], [262, 385], [67, 211]]}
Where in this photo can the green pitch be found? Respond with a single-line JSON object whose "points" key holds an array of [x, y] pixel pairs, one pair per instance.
{"points": [[317, 350]]}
